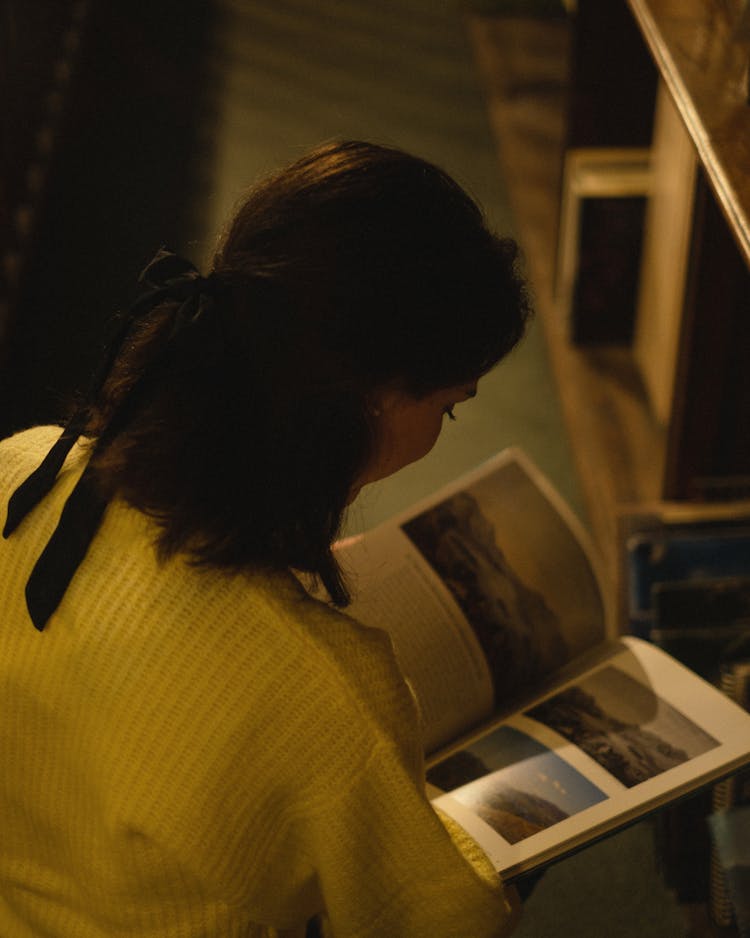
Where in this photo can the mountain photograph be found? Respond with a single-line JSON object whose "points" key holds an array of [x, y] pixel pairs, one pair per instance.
{"points": [[514, 814], [624, 726], [519, 633], [514, 783]]}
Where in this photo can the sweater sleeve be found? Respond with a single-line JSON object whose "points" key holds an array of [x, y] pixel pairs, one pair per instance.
{"points": [[388, 865], [384, 861]]}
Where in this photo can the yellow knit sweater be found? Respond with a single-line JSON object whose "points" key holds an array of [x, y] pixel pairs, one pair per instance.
{"points": [[187, 753]]}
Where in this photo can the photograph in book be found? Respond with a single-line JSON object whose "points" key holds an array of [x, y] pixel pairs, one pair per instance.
{"points": [[515, 570], [514, 784], [485, 588], [624, 726]]}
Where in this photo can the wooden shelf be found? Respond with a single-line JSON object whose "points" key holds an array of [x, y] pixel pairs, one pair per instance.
{"points": [[625, 457], [704, 62], [618, 447]]}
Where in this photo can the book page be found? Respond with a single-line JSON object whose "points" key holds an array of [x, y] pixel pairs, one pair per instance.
{"points": [[396, 590], [607, 747], [486, 588]]}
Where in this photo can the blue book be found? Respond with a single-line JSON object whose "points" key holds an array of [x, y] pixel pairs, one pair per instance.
{"points": [[671, 555]]}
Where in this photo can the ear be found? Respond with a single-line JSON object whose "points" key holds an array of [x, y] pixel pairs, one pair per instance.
{"points": [[385, 401]]}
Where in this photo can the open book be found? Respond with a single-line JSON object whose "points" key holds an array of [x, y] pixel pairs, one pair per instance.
{"points": [[544, 730]]}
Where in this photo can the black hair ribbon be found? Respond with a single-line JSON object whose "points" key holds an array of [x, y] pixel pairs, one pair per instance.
{"points": [[169, 277]]}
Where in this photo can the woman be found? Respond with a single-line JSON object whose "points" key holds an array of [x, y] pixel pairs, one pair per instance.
{"points": [[192, 745]]}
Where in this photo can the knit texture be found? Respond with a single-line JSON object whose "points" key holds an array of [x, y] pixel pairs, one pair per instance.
{"points": [[191, 753]]}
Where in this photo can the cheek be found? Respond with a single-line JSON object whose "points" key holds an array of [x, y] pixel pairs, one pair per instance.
{"points": [[404, 441], [425, 437]]}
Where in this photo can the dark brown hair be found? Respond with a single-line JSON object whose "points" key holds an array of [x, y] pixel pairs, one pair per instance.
{"points": [[356, 267]]}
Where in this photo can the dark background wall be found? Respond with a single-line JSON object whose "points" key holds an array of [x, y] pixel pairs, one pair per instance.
{"points": [[104, 131]]}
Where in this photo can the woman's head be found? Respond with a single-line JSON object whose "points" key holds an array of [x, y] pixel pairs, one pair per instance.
{"points": [[355, 285], [371, 252]]}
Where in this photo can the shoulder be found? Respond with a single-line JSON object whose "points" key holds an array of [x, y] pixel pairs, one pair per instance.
{"points": [[358, 664], [247, 656], [33, 439], [23, 452], [27, 447]]}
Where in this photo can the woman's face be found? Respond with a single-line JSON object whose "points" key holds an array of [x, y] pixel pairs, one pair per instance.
{"points": [[408, 427]]}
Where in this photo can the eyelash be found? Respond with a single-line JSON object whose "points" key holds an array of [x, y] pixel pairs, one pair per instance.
{"points": [[449, 413]]}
